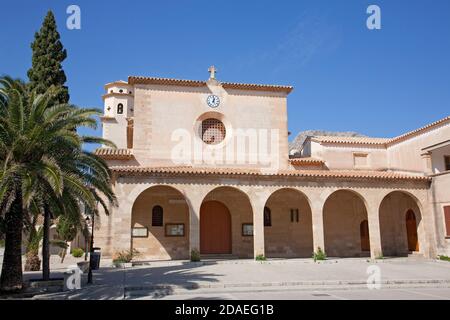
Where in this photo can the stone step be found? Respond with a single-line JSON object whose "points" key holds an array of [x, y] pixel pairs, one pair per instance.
{"points": [[218, 256]]}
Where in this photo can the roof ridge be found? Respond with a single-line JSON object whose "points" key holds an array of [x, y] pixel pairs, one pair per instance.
{"points": [[419, 130], [377, 140], [231, 85]]}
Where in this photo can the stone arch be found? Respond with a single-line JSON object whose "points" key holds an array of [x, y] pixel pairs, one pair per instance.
{"points": [[393, 212], [343, 212], [160, 242], [290, 234], [241, 212]]}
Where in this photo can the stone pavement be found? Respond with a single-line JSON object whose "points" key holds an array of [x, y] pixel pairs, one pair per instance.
{"points": [[162, 279], [295, 294]]}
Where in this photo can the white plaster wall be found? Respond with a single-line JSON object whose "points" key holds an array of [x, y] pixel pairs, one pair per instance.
{"points": [[406, 155], [438, 160]]}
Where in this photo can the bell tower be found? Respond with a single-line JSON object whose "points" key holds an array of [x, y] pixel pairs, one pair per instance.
{"points": [[118, 112]]}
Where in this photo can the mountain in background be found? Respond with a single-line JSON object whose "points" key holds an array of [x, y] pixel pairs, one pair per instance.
{"points": [[296, 144]]}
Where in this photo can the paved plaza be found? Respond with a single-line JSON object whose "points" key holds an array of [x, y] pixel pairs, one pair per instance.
{"points": [[401, 278]]}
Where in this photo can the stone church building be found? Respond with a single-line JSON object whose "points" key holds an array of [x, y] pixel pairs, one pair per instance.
{"points": [[205, 166]]}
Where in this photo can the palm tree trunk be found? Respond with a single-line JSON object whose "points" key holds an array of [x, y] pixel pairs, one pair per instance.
{"points": [[11, 277], [46, 245]]}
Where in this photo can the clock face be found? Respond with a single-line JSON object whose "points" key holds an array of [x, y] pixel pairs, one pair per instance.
{"points": [[213, 101]]}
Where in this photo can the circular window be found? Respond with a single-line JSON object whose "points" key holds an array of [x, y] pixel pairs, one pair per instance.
{"points": [[212, 131]]}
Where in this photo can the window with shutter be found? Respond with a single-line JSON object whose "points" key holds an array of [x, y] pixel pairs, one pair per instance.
{"points": [[157, 216]]}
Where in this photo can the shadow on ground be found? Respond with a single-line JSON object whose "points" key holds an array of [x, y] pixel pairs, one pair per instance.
{"points": [[156, 282]]}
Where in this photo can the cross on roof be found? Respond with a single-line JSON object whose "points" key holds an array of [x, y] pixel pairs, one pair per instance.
{"points": [[212, 71]]}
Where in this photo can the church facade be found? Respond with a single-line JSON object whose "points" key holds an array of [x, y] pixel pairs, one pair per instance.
{"points": [[205, 167]]}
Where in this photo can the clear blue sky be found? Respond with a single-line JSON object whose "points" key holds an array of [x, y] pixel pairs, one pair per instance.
{"points": [[346, 77]]}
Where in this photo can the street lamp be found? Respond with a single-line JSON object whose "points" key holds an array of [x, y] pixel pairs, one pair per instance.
{"points": [[86, 240], [91, 249]]}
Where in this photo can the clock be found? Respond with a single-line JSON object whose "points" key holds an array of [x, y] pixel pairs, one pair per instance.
{"points": [[213, 101]]}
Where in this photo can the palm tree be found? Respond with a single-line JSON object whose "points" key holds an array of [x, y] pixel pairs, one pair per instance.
{"points": [[42, 161]]}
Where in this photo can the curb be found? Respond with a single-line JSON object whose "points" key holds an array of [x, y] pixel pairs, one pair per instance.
{"points": [[332, 283]]}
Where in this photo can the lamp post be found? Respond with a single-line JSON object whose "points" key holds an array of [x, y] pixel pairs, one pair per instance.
{"points": [[86, 240], [91, 250]]}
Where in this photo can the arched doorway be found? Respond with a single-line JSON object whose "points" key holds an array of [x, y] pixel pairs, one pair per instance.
{"points": [[226, 221], [288, 225], [344, 213], [411, 231], [215, 228], [160, 224], [364, 233], [400, 224]]}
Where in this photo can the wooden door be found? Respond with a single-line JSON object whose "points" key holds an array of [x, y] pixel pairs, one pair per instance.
{"points": [[411, 231], [364, 233], [215, 228]]}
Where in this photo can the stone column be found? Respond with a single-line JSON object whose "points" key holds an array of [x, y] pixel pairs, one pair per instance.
{"points": [[194, 226], [258, 228], [374, 229], [194, 198], [317, 224], [427, 163], [258, 198], [121, 221]]}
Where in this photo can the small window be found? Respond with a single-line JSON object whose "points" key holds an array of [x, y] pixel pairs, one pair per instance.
{"points": [[119, 108], [447, 163], [267, 217], [157, 216], [447, 221], [120, 91]]}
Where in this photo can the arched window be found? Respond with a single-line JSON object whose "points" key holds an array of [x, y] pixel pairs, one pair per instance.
{"points": [[119, 108], [157, 216], [267, 217]]}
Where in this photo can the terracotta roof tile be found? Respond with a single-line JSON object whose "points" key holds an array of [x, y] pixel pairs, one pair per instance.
{"points": [[196, 83], [306, 161], [329, 174], [379, 141], [419, 131], [114, 154], [350, 140]]}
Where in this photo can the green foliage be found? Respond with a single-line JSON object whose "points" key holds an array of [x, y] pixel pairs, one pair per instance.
{"points": [[67, 227], [34, 240], [2, 243], [195, 255], [126, 256], [444, 258], [260, 257], [42, 160], [77, 252], [319, 255], [48, 55]]}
